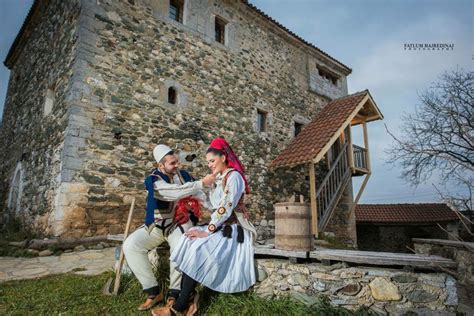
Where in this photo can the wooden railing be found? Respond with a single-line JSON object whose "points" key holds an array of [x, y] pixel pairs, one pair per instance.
{"points": [[330, 190], [360, 157]]}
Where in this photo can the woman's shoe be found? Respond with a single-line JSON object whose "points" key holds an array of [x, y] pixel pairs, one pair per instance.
{"points": [[165, 311], [170, 301], [151, 302]]}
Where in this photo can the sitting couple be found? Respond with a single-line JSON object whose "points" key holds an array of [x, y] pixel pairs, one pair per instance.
{"points": [[219, 256]]}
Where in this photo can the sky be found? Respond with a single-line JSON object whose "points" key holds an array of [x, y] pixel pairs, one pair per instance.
{"points": [[369, 37]]}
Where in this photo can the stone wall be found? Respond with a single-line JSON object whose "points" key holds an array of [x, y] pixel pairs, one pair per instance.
{"points": [[384, 291], [129, 53], [461, 252], [140, 54], [31, 141]]}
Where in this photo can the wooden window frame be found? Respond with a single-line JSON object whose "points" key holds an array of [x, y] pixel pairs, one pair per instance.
{"points": [[298, 127], [179, 5], [262, 118], [220, 26], [327, 74]]}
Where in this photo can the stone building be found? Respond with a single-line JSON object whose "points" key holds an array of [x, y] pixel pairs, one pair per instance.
{"points": [[96, 84], [392, 227]]}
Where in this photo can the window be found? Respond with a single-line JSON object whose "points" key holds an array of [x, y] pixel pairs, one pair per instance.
{"points": [[327, 74], [261, 121], [176, 10], [219, 30], [48, 102], [172, 95], [298, 128]]}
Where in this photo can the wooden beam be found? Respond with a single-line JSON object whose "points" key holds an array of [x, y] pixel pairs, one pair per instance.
{"points": [[351, 151], [361, 190], [382, 258], [366, 144], [445, 242], [271, 251], [314, 207], [328, 161], [367, 176]]}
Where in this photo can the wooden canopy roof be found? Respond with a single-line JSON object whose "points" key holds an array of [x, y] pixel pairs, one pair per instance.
{"points": [[405, 213], [318, 136]]}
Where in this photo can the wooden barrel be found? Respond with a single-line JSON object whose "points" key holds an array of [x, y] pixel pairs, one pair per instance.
{"points": [[293, 226]]}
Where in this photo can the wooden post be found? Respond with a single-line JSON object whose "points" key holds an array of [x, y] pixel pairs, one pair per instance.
{"points": [[367, 176], [366, 144], [351, 151], [314, 207]]}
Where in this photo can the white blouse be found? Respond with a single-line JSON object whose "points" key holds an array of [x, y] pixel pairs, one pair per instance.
{"points": [[224, 200]]}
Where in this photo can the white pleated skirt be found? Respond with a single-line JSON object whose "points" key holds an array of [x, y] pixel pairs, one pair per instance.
{"points": [[219, 263]]}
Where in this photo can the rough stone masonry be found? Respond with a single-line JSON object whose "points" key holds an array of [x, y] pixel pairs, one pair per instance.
{"points": [[89, 98], [384, 291]]}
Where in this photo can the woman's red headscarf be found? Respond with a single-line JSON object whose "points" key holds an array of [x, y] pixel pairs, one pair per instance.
{"points": [[232, 160]]}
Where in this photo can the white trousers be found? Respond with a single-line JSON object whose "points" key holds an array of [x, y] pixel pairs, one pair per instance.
{"points": [[137, 246]]}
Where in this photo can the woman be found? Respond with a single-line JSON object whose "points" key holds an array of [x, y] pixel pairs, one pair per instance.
{"points": [[220, 256]]}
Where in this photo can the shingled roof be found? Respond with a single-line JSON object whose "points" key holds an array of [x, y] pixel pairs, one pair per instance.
{"points": [[318, 136], [404, 213], [35, 10]]}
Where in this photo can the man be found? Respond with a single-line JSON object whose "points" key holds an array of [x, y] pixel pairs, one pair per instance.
{"points": [[165, 185]]}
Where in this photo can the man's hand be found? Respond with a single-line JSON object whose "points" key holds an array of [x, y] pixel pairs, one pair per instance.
{"points": [[195, 233], [208, 180]]}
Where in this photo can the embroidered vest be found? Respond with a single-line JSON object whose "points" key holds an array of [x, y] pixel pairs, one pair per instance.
{"points": [[153, 203], [240, 207]]}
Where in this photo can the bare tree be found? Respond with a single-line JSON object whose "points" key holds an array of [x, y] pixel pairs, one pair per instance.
{"points": [[439, 138]]}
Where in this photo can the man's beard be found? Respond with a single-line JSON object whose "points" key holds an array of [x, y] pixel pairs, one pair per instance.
{"points": [[172, 172]]}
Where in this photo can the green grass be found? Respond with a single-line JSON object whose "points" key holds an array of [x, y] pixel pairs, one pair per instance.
{"points": [[67, 294], [70, 294]]}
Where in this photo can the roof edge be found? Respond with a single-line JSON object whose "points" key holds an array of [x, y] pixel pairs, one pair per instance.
{"points": [[20, 38], [399, 223]]}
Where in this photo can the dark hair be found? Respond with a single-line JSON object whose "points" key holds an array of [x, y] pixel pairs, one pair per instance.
{"points": [[215, 151], [164, 157]]}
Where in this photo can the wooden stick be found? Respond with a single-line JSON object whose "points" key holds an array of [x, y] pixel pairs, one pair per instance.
{"points": [[65, 243], [118, 273]]}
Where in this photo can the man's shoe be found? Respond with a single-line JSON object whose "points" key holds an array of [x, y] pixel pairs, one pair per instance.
{"points": [[150, 302], [193, 306]]}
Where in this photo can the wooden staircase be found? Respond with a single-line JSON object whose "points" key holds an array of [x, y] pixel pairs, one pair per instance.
{"points": [[332, 187], [328, 136]]}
